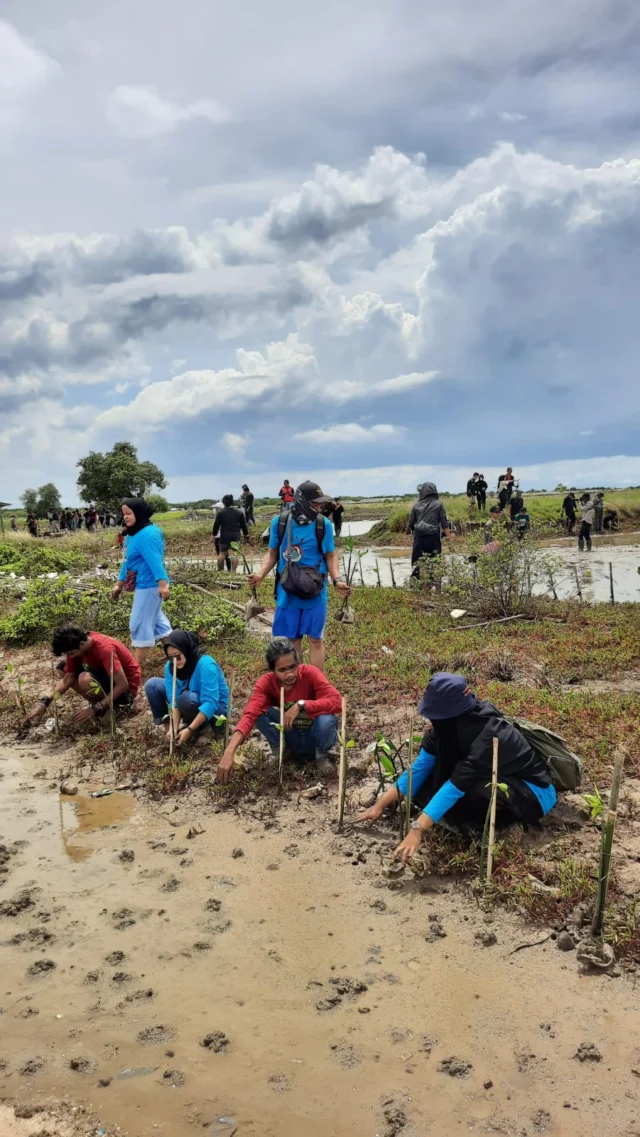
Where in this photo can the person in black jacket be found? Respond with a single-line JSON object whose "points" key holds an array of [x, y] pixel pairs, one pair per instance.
{"points": [[230, 522], [569, 508], [427, 521], [246, 501], [481, 492], [452, 772], [472, 489]]}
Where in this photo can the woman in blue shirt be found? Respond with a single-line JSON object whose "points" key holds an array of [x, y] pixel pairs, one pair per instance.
{"points": [[453, 769], [202, 693], [143, 573]]}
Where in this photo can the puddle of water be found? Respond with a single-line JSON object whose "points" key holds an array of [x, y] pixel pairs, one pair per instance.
{"points": [[81, 815], [357, 528]]}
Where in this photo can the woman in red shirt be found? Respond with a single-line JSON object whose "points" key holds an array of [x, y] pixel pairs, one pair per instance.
{"points": [[312, 706]]}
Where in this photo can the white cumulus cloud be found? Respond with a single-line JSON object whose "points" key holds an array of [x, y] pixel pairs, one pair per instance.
{"points": [[345, 433], [23, 70]]}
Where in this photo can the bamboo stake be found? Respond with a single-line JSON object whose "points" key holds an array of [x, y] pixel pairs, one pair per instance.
{"points": [[342, 772], [378, 572], [281, 754], [409, 774], [393, 579], [172, 735], [575, 569], [360, 566], [494, 803], [111, 716], [55, 702], [229, 709], [613, 599], [606, 844]]}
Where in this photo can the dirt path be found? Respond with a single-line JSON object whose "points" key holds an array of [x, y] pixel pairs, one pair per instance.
{"points": [[329, 1001]]}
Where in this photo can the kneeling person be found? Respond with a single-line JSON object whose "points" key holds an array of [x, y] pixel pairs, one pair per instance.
{"points": [[453, 769], [87, 671], [312, 705], [202, 694]]}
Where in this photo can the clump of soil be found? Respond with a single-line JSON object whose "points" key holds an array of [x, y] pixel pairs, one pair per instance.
{"points": [[121, 977], [156, 1034], [123, 919], [32, 1067], [174, 1079], [279, 1083], [588, 1052], [127, 856], [35, 937], [115, 957], [435, 930], [136, 996], [213, 905], [20, 903], [41, 967], [81, 1065], [216, 1041], [455, 1067], [171, 885]]}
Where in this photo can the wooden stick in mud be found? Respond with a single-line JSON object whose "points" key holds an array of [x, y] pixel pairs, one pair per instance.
{"points": [[409, 774], [55, 702], [112, 722], [608, 827], [613, 599], [281, 754], [342, 771], [553, 586], [393, 579], [172, 735], [494, 803], [575, 569], [232, 679]]}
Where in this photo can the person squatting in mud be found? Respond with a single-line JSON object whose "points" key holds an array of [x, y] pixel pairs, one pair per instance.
{"points": [[202, 692], [452, 773], [90, 659], [312, 706]]}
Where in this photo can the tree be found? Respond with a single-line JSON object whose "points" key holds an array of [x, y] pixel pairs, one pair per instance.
{"points": [[159, 503], [560, 488], [29, 500], [106, 479], [48, 500]]}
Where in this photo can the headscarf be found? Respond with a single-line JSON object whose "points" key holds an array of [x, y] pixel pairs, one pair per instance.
{"points": [[302, 510], [190, 647], [142, 511]]}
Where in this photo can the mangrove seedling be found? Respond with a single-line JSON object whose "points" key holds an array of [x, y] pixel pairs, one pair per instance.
{"points": [[18, 681], [606, 843], [595, 803]]}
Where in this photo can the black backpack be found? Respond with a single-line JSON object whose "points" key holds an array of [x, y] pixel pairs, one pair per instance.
{"points": [[303, 581]]}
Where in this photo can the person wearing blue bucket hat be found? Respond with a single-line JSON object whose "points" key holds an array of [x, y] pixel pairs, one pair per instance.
{"points": [[451, 777]]}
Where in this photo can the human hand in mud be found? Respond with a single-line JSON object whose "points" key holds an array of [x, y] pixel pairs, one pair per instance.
{"points": [[290, 716], [225, 766], [409, 846], [84, 715], [36, 716], [373, 813], [183, 736]]}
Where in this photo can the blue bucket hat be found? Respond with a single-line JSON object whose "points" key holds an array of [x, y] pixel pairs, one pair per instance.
{"points": [[446, 696]]}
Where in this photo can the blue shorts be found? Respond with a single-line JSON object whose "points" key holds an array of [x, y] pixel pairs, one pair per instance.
{"points": [[294, 623], [147, 622]]}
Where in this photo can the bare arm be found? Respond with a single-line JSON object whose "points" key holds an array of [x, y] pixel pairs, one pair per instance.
{"points": [[63, 685], [334, 572], [270, 559]]}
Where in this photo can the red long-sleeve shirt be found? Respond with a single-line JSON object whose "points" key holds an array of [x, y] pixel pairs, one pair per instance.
{"points": [[320, 696]]}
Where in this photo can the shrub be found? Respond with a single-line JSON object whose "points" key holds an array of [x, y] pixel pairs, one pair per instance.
{"points": [[498, 583], [48, 603], [36, 558]]}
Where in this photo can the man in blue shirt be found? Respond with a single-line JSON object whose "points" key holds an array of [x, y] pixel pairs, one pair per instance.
{"points": [[302, 538]]}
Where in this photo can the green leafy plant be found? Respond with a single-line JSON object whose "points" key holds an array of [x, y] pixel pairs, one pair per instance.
{"points": [[15, 676], [595, 803]]}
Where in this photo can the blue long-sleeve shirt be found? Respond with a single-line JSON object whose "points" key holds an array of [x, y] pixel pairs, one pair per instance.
{"points": [[207, 683], [448, 794], [143, 554]]}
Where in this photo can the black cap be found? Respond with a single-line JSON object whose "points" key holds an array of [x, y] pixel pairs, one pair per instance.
{"points": [[313, 492]]}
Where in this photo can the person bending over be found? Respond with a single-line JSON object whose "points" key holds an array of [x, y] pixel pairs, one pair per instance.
{"points": [[202, 693], [312, 705], [453, 770], [87, 671]]}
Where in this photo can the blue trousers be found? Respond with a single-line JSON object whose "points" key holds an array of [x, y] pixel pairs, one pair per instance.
{"points": [[305, 743], [187, 703]]}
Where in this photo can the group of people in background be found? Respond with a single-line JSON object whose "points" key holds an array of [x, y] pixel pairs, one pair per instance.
{"points": [[67, 520]]}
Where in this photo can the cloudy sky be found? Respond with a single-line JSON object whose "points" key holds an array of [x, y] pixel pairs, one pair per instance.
{"points": [[369, 242]]}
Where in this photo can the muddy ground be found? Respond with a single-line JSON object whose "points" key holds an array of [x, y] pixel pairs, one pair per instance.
{"points": [[172, 970]]}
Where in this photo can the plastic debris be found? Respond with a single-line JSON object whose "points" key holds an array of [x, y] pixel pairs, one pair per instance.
{"points": [[138, 1072], [101, 793]]}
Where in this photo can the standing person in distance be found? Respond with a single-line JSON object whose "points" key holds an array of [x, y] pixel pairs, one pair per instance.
{"points": [[143, 573], [229, 524], [286, 495], [598, 511], [246, 500], [302, 540], [481, 492], [32, 524], [14, 524], [569, 508], [472, 490], [336, 516], [427, 521], [588, 513]]}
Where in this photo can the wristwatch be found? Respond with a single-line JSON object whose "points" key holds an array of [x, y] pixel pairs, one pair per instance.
{"points": [[417, 825], [301, 704]]}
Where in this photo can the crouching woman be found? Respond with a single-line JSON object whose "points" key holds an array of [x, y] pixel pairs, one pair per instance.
{"points": [[202, 694], [453, 770]]}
